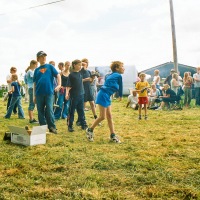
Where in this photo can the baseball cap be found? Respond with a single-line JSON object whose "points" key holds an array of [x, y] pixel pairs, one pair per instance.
{"points": [[173, 70], [41, 53]]}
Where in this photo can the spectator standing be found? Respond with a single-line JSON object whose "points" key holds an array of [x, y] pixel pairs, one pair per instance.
{"points": [[52, 63], [29, 82], [55, 84], [100, 82], [187, 87], [94, 84], [61, 66], [75, 93], [156, 78], [44, 90], [196, 78], [87, 80], [63, 104], [175, 83], [180, 80], [169, 78], [16, 98], [13, 70], [26, 97], [56, 94]]}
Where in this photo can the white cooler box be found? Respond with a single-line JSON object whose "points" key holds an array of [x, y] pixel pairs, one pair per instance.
{"points": [[21, 136]]}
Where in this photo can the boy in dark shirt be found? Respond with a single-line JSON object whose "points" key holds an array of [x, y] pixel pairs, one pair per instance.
{"points": [[75, 92], [87, 80]]}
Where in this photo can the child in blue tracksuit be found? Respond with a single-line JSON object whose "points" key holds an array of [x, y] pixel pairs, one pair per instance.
{"points": [[75, 92], [113, 83], [16, 98]]}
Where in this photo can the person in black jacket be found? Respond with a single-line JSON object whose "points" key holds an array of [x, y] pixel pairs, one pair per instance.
{"points": [[169, 78], [75, 93], [169, 97]]}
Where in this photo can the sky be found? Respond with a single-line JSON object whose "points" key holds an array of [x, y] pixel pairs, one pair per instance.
{"points": [[136, 32]]}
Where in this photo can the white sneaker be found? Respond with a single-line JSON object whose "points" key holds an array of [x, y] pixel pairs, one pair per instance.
{"points": [[115, 139], [159, 108], [89, 135]]}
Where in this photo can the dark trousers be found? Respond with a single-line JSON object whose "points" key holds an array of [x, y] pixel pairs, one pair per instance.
{"points": [[8, 104], [76, 103]]}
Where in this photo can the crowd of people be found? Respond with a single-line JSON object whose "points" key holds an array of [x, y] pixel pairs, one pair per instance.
{"points": [[58, 94], [157, 97]]}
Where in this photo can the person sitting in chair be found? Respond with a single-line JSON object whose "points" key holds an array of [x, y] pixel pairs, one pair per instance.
{"points": [[169, 97]]}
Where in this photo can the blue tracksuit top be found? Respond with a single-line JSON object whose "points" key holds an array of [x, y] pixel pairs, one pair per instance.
{"points": [[113, 83]]}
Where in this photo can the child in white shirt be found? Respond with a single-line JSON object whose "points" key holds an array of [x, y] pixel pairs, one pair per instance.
{"points": [[133, 100]]}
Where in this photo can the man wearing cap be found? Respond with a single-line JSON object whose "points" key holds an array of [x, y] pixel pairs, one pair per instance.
{"points": [[44, 90], [169, 78]]}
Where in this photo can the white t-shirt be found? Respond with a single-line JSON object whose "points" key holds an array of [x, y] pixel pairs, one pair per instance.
{"points": [[196, 83], [132, 99], [155, 79], [9, 84]]}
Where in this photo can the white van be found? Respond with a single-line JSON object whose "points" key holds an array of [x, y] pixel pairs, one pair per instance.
{"points": [[129, 79]]}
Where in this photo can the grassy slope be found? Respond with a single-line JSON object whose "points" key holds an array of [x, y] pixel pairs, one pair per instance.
{"points": [[159, 159]]}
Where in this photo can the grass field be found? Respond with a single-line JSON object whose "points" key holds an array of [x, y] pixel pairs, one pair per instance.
{"points": [[158, 159]]}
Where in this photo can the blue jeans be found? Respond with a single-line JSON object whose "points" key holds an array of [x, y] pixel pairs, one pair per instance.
{"points": [[158, 86], [45, 110], [15, 101], [8, 104], [31, 103], [77, 103], [63, 106]]}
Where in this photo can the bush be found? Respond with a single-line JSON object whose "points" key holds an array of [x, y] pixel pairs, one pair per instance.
{"points": [[2, 91]]}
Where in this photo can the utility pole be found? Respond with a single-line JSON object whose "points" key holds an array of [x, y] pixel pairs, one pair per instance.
{"points": [[173, 37]]}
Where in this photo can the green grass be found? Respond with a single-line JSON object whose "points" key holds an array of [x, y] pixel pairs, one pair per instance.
{"points": [[158, 159]]}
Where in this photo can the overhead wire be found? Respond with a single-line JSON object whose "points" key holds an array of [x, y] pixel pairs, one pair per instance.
{"points": [[32, 7]]}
